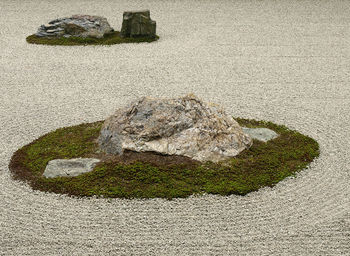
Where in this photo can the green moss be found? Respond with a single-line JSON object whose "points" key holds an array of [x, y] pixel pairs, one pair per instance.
{"points": [[264, 164], [110, 39]]}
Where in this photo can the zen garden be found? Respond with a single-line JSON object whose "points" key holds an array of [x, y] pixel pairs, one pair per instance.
{"points": [[155, 147]]}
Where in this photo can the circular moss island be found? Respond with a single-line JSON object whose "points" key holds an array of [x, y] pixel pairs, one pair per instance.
{"points": [[151, 175], [108, 39]]}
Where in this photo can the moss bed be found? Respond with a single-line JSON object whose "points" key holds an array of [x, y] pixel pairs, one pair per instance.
{"points": [[150, 175], [110, 39]]}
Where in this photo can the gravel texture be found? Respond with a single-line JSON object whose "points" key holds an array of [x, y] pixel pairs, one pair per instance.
{"points": [[283, 61]]}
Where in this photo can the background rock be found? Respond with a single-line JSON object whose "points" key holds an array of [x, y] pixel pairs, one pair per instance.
{"points": [[77, 25], [183, 126], [138, 24]]}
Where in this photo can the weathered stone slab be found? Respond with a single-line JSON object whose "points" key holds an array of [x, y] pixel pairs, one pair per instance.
{"points": [[69, 167], [138, 24], [183, 126], [77, 25], [262, 134]]}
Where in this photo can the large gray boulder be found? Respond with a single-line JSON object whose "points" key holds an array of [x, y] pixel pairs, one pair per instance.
{"points": [[77, 25], [183, 126], [138, 24], [69, 167]]}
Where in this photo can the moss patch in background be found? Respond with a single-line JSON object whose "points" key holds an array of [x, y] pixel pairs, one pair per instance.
{"points": [[150, 175], [110, 39]]}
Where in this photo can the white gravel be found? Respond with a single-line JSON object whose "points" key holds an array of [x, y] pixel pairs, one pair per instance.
{"points": [[282, 61]]}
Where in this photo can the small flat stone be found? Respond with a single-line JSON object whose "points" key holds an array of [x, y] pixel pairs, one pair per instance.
{"points": [[69, 167], [262, 134]]}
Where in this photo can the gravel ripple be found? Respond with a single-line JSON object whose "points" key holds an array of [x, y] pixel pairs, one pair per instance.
{"points": [[282, 61]]}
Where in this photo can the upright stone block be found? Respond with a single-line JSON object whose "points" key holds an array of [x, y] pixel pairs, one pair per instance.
{"points": [[138, 24]]}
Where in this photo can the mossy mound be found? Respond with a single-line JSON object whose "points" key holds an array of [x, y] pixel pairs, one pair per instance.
{"points": [[110, 39], [150, 175]]}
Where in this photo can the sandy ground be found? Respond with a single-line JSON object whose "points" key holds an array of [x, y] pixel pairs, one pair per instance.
{"points": [[282, 61]]}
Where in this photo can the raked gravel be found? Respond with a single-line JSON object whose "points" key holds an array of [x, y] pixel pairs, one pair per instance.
{"points": [[283, 61]]}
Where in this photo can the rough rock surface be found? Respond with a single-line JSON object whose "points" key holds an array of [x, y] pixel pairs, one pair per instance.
{"points": [[69, 167], [77, 25], [138, 24], [183, 126], [262, 134]]}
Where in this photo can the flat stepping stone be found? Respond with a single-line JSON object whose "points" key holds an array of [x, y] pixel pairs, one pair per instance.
{"points": [[69, 167], [261, 134]]}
